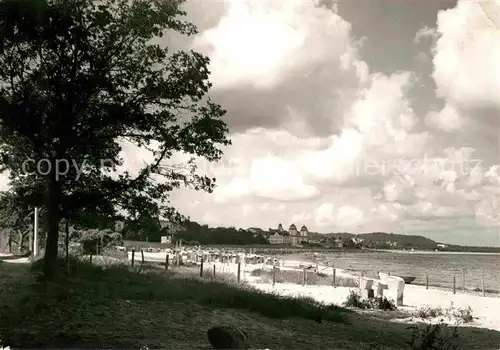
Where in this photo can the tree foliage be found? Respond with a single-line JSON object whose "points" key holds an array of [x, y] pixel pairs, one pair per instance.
{"points": [[79, 79], [16, 219], [202, 234], [93, 239], [144, 228]]}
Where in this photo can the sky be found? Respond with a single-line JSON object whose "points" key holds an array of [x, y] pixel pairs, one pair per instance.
{"points": [[352, 116]]}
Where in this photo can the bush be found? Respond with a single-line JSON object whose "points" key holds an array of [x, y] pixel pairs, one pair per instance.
{"points": [[91, 239], [461, 314], [354, 299], [426, 312], [431, 337]]}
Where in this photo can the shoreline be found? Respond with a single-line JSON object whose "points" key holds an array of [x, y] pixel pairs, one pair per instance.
{"points": [[320, 260], [431, 252]]}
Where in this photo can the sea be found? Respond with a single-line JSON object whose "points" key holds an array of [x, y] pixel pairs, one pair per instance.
{"points": [[469, 269]]}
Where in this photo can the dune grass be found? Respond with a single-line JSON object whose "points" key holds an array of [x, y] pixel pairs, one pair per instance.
{"points": [[112, 307], [297, 277]]}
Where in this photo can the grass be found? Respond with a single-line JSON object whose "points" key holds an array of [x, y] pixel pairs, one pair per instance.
{"points": [[112, 307], [297, 277], [430, 337]]}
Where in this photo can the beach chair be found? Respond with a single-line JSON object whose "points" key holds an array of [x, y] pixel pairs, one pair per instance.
{"points": [[380, 289], [395, 287], [366, 287]]}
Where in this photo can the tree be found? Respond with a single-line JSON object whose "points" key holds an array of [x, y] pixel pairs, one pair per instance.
{"points": [[15, 218], [194, 232], [78, 78], [145, 228]]}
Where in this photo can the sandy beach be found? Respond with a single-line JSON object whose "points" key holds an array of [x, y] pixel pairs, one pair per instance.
{"points": [[484, 309]]}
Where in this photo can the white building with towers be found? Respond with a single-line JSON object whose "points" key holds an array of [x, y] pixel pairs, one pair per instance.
{"points": [[292, 237]]}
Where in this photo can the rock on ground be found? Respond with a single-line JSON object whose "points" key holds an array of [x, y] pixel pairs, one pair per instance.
{"points": [[228, 337]]}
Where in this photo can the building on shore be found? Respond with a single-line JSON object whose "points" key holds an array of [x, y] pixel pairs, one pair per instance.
{"points": [[291, 237]]}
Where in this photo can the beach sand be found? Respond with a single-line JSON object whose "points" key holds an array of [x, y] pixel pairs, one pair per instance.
{"points": [[484, 309]]}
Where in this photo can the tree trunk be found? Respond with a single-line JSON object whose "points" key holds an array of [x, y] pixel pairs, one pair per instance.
{"points": [[53, 219], [10, 241], [66, 243], [21, 241]]}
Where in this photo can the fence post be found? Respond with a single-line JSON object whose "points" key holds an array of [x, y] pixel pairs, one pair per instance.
{"points": [[133, 256], [274, 275], [178, 259], [426, 281], [166, 261], [239, 272], [334, 272], [142, 260], [303, 276], [482, 285], [201, 268], [454, 284], [463, 279], [214, 272], [91, 257]]}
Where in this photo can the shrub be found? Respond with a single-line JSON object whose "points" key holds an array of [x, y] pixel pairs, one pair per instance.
{"points": [[431, 337], [91, 239], [354, 299], [461, 314], [426, 312]]}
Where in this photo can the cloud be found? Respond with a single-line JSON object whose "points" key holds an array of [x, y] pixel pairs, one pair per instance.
{"points": [[425, 32], [258, 43], [466, 55], [272, 61], [269, 177], [372, 163], [448, 119]]}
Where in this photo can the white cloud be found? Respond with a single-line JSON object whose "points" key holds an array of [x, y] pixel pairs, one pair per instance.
{"points": [[269, 177], [345, 216], [425, 32], [259, 42], [448, 119], [466, 55]]}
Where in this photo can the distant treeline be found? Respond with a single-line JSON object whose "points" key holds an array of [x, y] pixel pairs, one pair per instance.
{"points": [[194, 233]]}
